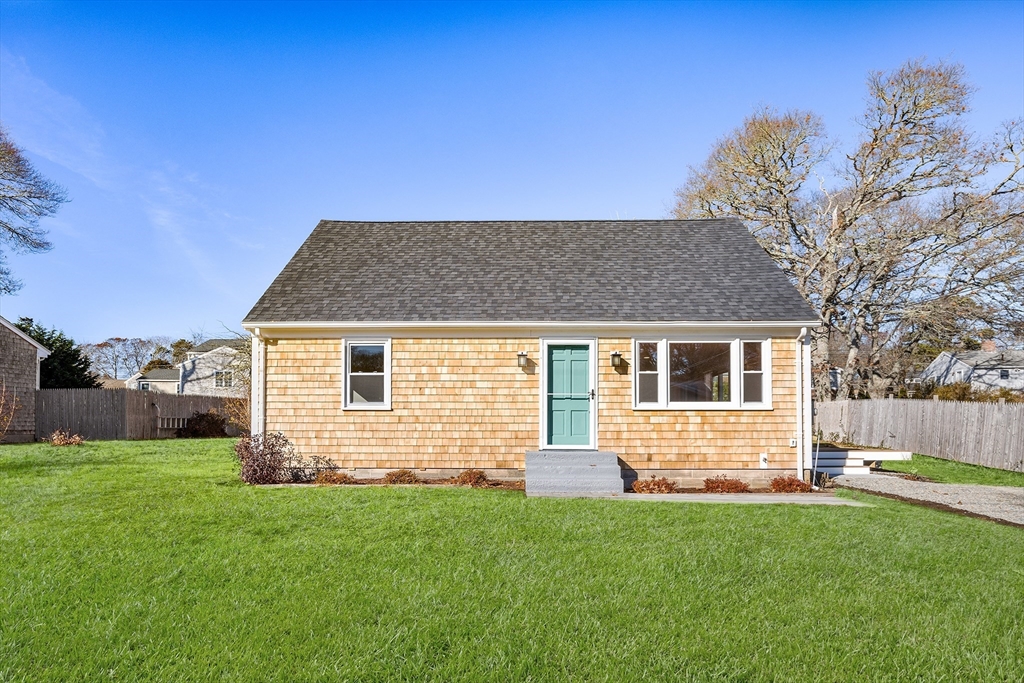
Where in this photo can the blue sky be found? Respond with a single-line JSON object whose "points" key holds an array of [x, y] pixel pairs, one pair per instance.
{"points": [[201, 143]]}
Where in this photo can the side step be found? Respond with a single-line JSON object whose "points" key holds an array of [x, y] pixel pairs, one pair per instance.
{"points": [[572, 472]]}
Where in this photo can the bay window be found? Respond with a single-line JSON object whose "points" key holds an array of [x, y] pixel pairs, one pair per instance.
{"points": [[701, 375]]}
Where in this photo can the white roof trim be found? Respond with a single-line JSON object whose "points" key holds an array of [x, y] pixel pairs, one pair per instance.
{"points": [[41, 351]]}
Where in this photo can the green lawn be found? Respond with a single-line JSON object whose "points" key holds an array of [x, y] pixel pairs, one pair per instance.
{"points": [[952, 472], [149, 560]]}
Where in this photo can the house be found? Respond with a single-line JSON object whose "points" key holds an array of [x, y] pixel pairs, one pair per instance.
{"points": [[159, 380], [212, 369], [20, 356], [988, 368], [209, 369], [674, 348]]}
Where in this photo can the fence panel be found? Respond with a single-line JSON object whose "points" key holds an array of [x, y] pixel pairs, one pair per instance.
{"points": [[989, 434], [108, 414]]}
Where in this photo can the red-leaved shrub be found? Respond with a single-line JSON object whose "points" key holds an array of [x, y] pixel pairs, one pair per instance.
{"points": [[262, 457], [655, 485], [724, 484], [400, 477], [789, 484], [474, 478]]}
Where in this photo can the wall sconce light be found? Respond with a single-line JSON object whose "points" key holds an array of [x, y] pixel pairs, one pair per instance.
{"points": [[523, 359], [616, 359]]}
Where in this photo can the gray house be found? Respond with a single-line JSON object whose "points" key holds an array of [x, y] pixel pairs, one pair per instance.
{"points": [[986, 369], [20, 356], [210, 369]]}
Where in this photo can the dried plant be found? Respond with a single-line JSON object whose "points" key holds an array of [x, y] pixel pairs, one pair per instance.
{"points": [[789, 484], [655, 485], [63, 438], [237, 412], [262, 457], [723, 484], [333, 478], [401, 477], [474, 478]]}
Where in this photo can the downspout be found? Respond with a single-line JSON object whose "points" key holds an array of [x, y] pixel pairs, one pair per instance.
{"points": [[800, 453], [258, 373]]}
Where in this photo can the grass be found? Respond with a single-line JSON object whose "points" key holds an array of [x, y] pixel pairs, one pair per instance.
{"points": [[952, 472], [149, 560]]}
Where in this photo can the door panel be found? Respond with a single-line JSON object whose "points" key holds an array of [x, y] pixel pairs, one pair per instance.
{"points": [[568, 395]]}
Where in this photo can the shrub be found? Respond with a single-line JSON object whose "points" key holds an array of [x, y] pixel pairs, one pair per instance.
{"points": [[400, 477], [333, 478], [262, 457], [62, 438], [474, 478], [237, 412], [207, 425], [789, 484], [723, 484], [655, 485]]}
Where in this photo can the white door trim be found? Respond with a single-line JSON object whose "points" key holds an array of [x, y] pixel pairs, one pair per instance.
{"points": [[591, 343]]}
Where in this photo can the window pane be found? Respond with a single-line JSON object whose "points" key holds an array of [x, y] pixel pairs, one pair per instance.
{"points": [[752, 387], [752, 355], [699, 372], [648, 361], [366, 358], [648, 389], [366, 389]]}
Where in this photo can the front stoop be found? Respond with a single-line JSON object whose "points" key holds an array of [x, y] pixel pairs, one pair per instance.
{"points": [[568, 472]]}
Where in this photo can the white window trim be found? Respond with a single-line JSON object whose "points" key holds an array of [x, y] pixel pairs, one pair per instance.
{"points": [[360, 341], [224, 376], [590, 342], [735, 371]]}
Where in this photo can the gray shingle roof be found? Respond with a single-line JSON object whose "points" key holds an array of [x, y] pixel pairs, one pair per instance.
{"points": [[992, 359], [518, 271], [211, 344], [157, 374]]}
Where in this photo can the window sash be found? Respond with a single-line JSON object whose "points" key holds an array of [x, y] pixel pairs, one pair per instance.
{"points": [[355, 382], [738, 377]]}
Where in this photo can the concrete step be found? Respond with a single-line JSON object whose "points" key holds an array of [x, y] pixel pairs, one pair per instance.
{"points": [[836, 471], [822, 461], [573, 472]]}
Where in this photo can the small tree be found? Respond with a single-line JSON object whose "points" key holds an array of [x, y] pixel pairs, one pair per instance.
{"points": [[8, 407]]}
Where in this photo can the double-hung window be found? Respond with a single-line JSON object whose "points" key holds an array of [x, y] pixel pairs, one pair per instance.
{"points": [[698, 375], [223, 378], [368, 374]]}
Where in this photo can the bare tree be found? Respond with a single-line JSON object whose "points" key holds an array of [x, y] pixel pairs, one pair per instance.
{"points": [[920, 226], [119, 356], [25, 197]]}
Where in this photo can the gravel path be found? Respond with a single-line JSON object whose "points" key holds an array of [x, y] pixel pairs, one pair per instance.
{"points": [[999, 503]]}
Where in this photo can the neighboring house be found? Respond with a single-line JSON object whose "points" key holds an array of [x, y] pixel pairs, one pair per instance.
{"points": [[677, 346], [20, 356], [211, 369], [985, 369], [110, 382], [159, 380]]}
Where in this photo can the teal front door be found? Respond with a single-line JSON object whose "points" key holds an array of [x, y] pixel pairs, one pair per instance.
{"points": [[569, 395]]}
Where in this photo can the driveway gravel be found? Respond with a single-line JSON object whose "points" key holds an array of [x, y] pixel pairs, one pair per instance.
{"points": [[999, 503]]}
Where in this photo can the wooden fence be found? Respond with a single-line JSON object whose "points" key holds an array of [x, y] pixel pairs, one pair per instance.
{"points": [[989, 434], [107, 414]]}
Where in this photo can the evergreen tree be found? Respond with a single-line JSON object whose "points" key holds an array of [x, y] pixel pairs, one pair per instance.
{"points": [[66, 367]]}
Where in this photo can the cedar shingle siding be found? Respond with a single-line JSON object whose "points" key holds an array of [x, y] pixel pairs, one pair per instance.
{"points": [[18, 366]]}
